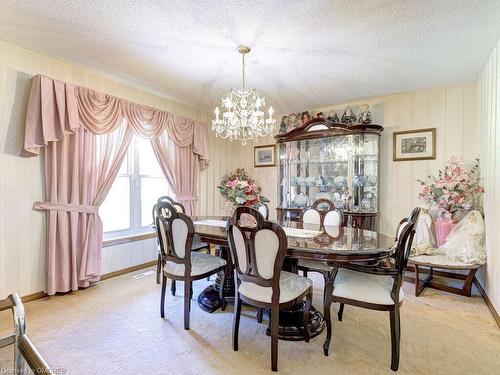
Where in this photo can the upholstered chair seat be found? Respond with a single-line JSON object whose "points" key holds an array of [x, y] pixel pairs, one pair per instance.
{"points": [[200, 264], [291, 287], [365, 287]]}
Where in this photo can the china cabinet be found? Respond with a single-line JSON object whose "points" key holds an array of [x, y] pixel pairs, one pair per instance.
{"points": [[328, 160]]}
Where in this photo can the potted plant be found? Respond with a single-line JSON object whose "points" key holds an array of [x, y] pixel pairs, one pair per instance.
{"points": [[451, 193]]}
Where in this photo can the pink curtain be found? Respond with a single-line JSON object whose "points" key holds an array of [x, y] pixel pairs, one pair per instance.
{"points": [[86, 135], [181, 152]]}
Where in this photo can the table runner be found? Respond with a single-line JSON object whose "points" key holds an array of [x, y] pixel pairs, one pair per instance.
{"points": [[303, 233], [211, 223]]}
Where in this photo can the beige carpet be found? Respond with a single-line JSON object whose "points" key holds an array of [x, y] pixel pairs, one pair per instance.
{"points": [[115, 327]]}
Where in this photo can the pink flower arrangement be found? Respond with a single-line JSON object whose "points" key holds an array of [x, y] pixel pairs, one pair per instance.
{"points": [[240, 189], [454, 188]]}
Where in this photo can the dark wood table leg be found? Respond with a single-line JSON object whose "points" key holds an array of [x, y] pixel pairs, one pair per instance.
{"points": [[291, 325], [209, 300]]}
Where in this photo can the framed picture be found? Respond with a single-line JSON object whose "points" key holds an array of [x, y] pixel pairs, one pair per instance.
{"points": [[264, 156], [417, 144]]}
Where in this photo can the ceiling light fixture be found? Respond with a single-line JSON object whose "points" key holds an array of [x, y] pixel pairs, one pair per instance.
{"points": [[242, 117]]}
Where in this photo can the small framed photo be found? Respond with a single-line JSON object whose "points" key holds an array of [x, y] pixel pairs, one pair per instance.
{"points": [[264, 156], [417, 144]]}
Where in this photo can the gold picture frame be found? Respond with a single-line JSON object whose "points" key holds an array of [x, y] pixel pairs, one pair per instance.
{"points": [[264, 156], [418, 144]]}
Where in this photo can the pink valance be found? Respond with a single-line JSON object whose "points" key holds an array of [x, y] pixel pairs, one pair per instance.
{"points": [[57, 108]]}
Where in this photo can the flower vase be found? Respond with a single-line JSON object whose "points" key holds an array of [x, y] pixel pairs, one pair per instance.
{"points": [[443, 228]]}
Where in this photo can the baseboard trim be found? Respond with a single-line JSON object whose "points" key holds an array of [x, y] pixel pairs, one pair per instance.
{"points": [[128, 270], [487, 301], [5, 304]]}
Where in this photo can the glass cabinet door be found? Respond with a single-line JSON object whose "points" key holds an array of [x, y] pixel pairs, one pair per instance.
{"points": [[343, 169], [365, 172]]}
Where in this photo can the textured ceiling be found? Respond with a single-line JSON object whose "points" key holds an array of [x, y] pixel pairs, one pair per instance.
{"points": [[304, 53]]}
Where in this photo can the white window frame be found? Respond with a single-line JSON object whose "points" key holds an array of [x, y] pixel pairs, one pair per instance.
{"points": [[135, 179]]}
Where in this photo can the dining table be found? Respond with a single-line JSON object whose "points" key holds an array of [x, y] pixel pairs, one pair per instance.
{"points": [[332, 245]]}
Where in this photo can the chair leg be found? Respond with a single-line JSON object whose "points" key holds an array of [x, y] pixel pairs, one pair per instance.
{"points": [[275, 317], [172, 287], [395, 338], [417, 280], [236, 321], [208, 252], [260, 313], [187, 302], [162, 301], [304, 272], [191, 290], [221, 291], [158, 269], [341, 312], [307, 314], [327, 303]]}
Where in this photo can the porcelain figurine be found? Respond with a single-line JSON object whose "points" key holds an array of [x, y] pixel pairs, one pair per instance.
{"points": [[348, 116], [285, 121], [365, 116], [293, 121], [300, 200], [331, 115], [305, 117]]}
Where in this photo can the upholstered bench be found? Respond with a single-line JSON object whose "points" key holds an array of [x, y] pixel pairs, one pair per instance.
{"points": [[442, 262]]}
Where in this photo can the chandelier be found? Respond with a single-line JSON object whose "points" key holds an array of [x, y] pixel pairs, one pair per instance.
{"points": [[242, 116]]}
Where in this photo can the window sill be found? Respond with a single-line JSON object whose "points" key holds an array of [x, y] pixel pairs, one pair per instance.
{"points": [[128, 238]]}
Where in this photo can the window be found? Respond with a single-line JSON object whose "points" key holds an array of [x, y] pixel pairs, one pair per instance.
{"points": [[138, 185]]}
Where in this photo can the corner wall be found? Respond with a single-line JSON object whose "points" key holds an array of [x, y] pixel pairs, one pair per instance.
{"points": [[489, 134]]}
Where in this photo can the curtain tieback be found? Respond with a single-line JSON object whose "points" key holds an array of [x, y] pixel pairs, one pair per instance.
{"points": [[187, 197], [67, 207]]}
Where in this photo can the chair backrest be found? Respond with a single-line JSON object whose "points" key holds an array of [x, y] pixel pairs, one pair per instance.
{"points": [[404, 240], [264, 211], [322, 212], [257, 251], [175, 233], [178, 206]]}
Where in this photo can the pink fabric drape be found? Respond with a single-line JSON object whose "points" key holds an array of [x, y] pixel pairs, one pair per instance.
{"points": [[86, 135], [79, 172]]}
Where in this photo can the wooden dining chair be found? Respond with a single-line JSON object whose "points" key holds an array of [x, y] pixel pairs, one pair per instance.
{"points": [[373, 287], [197, 244], [322, 213], [264, 211], [258, 252], [175, 232]]}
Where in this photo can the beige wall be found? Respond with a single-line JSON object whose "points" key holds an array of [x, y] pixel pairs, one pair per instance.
{"points": [[489, 128], [22, 238]]}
